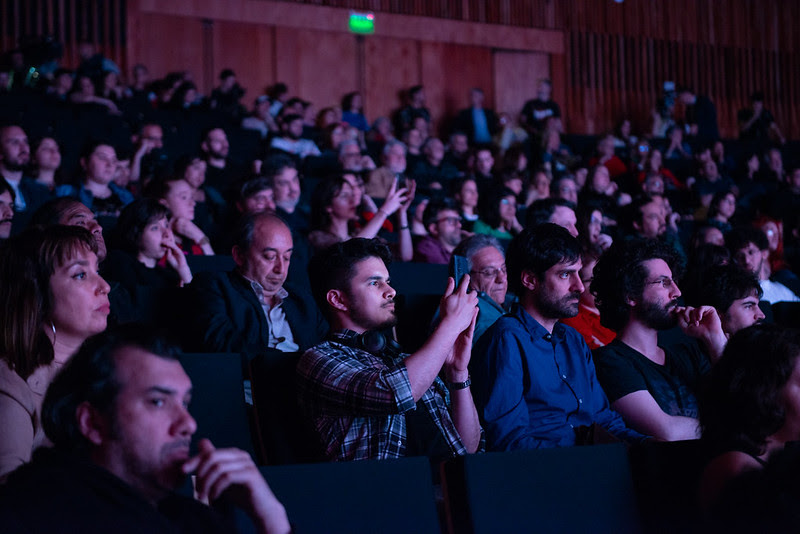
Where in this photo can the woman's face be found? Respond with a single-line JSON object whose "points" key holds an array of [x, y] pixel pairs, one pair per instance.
{"points": [[80, 296], [656, 159], [601, 180], [48, 155], [86, 86], [468, 196], [101, 165], [356, 102], [343, 206], [508, 208], [195, 173], [727, 206], [180, 200], [595, 226], [541, 183], [110, 80], [587, 275], [357, 183], [414, 138], [156, 235]]}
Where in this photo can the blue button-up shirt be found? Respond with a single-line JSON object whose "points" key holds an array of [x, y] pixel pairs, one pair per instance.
{"points": [[533, 388]]}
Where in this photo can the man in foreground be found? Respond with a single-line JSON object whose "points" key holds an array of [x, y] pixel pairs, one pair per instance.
{"points": [[118, 417]]}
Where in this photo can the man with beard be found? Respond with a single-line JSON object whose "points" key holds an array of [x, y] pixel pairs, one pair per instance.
{"points": [[118, 417], [290, 141], [652, 384], [534, 377], [15, 154], [365, 397], [222, 174]]}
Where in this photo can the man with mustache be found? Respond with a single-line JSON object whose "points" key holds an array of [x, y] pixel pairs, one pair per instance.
{"points": [[118, 417], [534, 377], [652, 384], [15, 154]]}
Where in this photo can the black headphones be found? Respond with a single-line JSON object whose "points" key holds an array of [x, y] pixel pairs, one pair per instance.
{"points": [[372, 341]]}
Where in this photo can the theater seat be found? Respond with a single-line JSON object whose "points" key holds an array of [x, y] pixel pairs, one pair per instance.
{"points": [[386, 496], [218, 402], [576, 489]]}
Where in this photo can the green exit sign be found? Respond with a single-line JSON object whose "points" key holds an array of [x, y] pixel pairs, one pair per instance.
{"points": [[363, 23]]}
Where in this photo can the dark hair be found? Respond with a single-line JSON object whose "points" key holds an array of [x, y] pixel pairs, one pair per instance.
{"points": [[274, 164], [226, 73], [413, 90], [160, 187], [741, 405], [5, 187], [347, 100], [132, 221], [253, 186], [699, 235], [245, 227], [620, 275], [722, 284], [88, 148], [583, 219], [90, 376], [632, 213], [537, 249], [738, 239], [183, 162], [719, 196], [757, 96], [541, 210], [432, 210], [490, 212], [321, 199], [50, 212], [334, 267], [27, 262]]}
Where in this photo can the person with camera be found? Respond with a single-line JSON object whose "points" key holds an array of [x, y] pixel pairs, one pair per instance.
{"points": [[365, 397]]}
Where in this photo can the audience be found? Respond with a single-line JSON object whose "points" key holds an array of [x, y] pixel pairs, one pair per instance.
{"points": [[293, 197]]}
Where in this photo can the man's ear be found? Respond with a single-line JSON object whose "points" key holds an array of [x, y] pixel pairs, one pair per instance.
{"points": [[337, 300], [238, 256], [92, 425], [528, 280], [637, 226], [432, 230]]}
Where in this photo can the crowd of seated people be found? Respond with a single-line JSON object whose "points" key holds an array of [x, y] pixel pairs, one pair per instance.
{"points": [[576, 253]]}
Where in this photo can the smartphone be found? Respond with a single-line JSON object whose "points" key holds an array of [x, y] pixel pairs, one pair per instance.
{"points": [[460, 267]]}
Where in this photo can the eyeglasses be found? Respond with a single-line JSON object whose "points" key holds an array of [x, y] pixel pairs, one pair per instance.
{"points": [[665, 282], [450, 220], [491, 272]]}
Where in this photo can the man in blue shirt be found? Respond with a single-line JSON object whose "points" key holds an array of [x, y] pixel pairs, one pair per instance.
{"points": [[535, 382]]}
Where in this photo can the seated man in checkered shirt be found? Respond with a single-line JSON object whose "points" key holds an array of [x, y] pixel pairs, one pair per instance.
{"points": [[366, 398]]}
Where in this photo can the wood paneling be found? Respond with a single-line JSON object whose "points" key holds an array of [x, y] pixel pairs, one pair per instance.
{"points": [[516, 75], [183, 50], [391, 66], [248, 50]]}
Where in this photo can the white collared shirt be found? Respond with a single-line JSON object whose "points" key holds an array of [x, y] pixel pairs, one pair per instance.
{"points": [[280, 334]]}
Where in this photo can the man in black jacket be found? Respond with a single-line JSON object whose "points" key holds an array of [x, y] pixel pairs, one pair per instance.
{"points": [[250, 309]]}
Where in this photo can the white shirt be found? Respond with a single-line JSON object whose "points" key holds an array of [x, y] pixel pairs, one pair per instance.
{"points": [[280, 334], [777, 292]]}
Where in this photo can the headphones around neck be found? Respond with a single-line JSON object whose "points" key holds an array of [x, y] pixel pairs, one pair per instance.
{"points": [[373, 341]]}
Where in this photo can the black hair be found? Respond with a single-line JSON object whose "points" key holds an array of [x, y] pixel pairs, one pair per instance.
{"points": [[274, 164], [632, 213], [253, 186], [226, 73], [132, 221], [433, 209], [738, 239], [723, 284], [50, 212], [5, 187], [245, 227], [90, 376], [537, 249], [541, 210], [334, 267], [490, 203], [620, 275], [719, 196], [741, 405], [347, 100], [321, 199]]}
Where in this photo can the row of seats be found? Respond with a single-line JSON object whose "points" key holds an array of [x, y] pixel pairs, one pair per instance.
{"points": [[602, 488]]}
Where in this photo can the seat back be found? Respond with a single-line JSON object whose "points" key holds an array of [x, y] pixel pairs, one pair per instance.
{"points": [[218, 400], [575, 489]]}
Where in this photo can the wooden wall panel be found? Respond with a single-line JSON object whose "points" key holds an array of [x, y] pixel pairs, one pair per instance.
{"points": [[516, 75], [183, 50], [391, 65], [448, 72], [317, 66], [248, 50]]}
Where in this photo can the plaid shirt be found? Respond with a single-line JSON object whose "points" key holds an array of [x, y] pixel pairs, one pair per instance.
{"points": [[357, 402]]}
